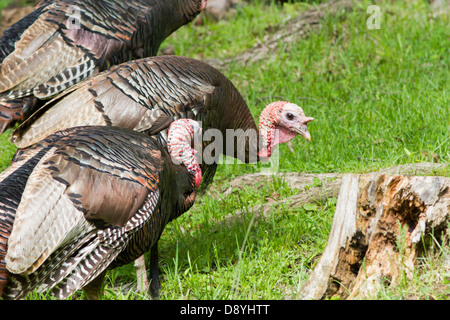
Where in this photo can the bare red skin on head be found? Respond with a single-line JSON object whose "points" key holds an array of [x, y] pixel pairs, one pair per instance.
{"points": [[269, 116], [274, 132], [178, 144], [198, 178]]}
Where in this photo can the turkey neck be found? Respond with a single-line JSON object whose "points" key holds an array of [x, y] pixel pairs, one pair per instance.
{"points": [[179, 144], [166, 19], [226, 108], [234, 114], [191, 8], [148, 21]]}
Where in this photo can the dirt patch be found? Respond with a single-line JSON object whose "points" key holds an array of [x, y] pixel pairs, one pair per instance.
{"points": [[11, 15]]}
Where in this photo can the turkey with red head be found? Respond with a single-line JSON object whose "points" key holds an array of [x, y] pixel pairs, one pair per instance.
{"points": [[86, 197], [148, 94], [65, 41]]}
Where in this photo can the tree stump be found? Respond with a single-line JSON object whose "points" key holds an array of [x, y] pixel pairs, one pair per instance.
{"points": [[382, 223]]}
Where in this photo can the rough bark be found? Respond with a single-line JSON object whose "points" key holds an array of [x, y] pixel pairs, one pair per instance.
{"points": [[382, 223], [320, 186]]}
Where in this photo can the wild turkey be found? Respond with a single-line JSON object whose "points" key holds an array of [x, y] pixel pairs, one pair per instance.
{"points": [[63, 42], [84, 196], [148, 94]]}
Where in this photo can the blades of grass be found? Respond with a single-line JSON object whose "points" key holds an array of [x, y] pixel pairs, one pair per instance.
{"points": [[241, 248]]}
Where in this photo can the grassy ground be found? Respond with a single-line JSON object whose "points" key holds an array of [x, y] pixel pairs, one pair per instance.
{"points": [[380, 98]]}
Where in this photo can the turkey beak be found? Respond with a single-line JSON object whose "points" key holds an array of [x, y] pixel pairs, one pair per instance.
{"points": [[303, 129], [306, 135]]}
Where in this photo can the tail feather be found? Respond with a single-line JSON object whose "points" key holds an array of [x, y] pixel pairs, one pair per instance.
{"points": [[36, 128], [67, 270], [85, 269], [27, 57], [13, 181], [20, 286]]}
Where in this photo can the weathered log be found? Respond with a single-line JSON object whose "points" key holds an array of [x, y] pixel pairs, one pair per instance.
{"points": [[382, 223], [317, 187]]}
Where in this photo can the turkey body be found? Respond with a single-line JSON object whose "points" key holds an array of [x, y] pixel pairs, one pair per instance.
{"points": [[63, 42], [146, 95], [82, 198]]}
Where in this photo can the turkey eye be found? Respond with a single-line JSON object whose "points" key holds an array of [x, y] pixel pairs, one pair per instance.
{"points": [[290, 116]]}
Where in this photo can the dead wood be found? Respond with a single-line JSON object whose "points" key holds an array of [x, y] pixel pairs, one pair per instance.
{"points": [[311, 187], [382, 223], [320, 186]]}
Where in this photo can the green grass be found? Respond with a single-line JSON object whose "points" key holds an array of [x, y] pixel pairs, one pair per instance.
{"points": [[379, 98], [430, 280], [7, 150]]}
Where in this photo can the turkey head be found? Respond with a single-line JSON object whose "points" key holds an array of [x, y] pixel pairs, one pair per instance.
{"points": [[280, 122]]}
